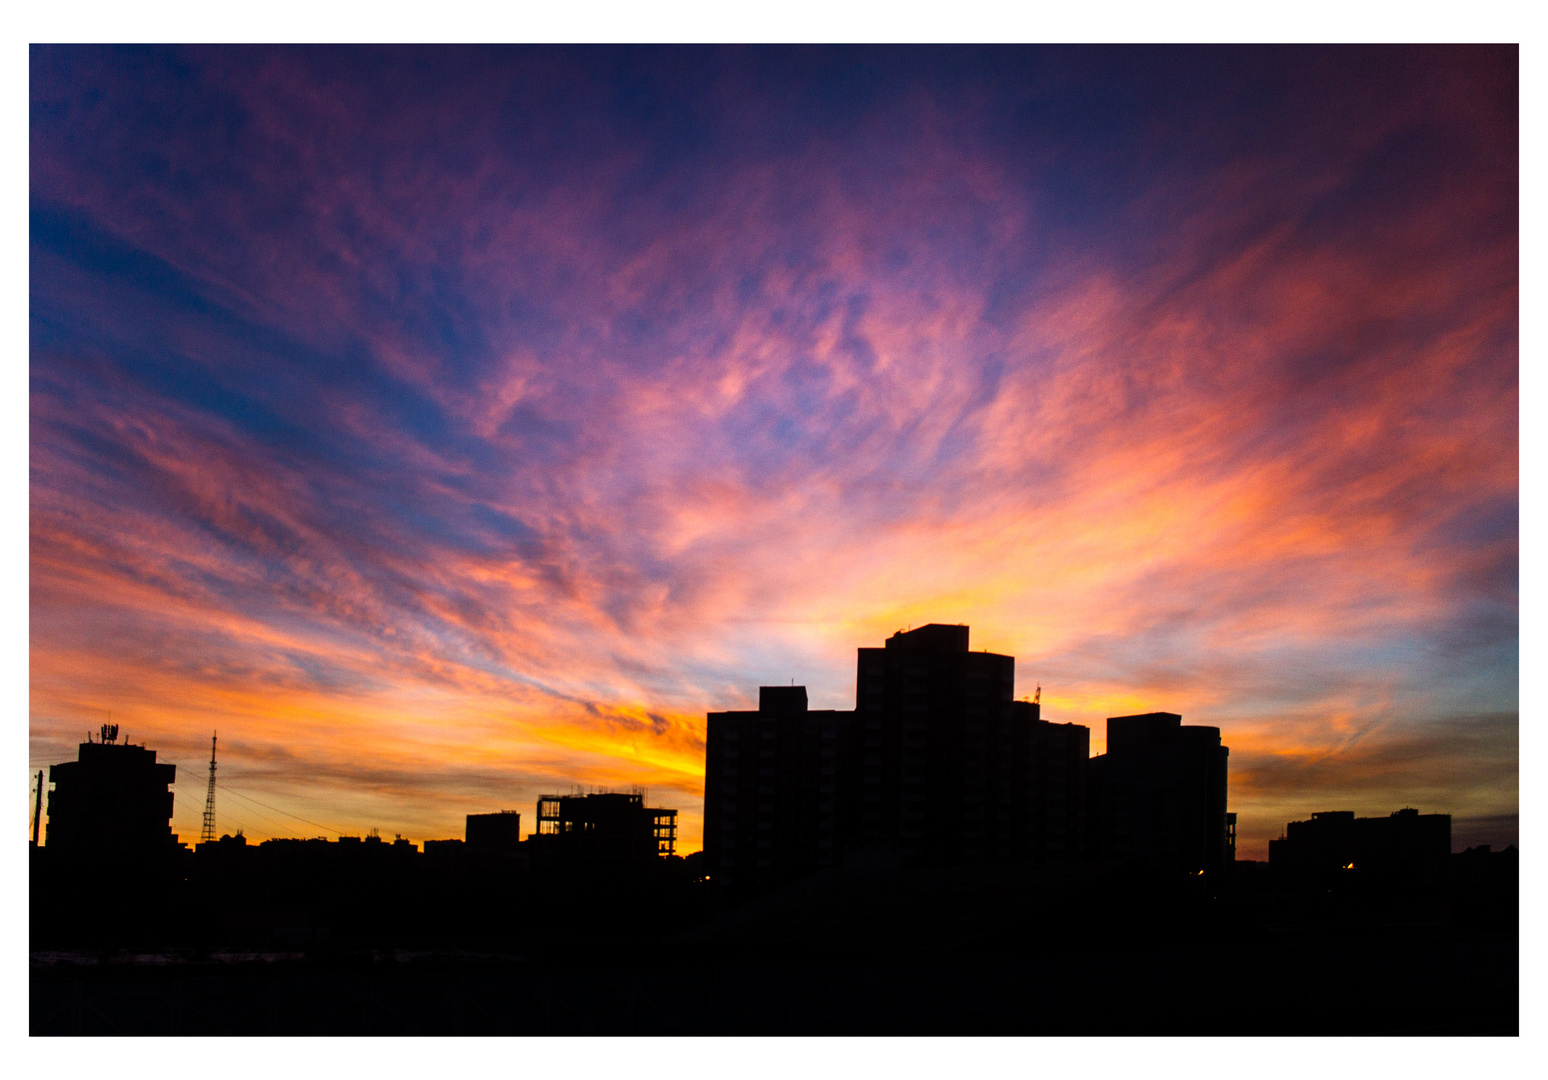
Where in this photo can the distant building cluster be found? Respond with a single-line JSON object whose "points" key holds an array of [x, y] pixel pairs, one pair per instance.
{"points": [[937, 764], [1405, 848], [116, 800], [606, 828]]}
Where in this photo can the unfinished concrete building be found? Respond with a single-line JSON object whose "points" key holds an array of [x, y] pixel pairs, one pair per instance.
{"points": [[603, 827]]}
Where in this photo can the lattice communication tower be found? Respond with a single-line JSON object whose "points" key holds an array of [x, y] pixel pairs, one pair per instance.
{"points": [[207, 832]]}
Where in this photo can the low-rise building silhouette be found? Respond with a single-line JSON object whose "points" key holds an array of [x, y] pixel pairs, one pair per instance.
{"points": [[493, 832], [1406, 847], [113, 800], [229, 846], [1158, 795], [1486, 888], [602, 828]]}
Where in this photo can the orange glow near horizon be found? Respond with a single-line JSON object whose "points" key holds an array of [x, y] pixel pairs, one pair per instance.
{"points": [[439, 478]]}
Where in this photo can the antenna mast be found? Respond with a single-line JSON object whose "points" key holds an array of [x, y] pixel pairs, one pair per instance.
{"points": [[37, 814], [207, 833]]}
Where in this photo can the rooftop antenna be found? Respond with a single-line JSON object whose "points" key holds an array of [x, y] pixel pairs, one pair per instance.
{"points": [[37, 813], [207, 831], [1038, 697]]}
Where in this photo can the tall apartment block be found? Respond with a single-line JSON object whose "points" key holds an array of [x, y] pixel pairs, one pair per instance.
{"points": [[771, 784], [936, 765], [932, 765], [1159, 795], [1050, 770]]}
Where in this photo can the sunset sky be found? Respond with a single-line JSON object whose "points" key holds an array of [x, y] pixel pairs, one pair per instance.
{"points": [[447, 426]]}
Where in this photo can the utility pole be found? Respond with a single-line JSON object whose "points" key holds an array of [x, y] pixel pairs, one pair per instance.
{"points": [[207, 833], [37, 813]]}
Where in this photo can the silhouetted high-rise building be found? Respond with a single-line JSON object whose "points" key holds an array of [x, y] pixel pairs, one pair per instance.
{"points": [[937, 764], [602, 827], [1406, 847], [1159, 795], [771, 789], [944, 767], [114, 799], [1049, 787]]}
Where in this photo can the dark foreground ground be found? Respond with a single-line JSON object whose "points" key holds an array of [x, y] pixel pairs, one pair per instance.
{"points": [[1403, 984], [892, 952]]}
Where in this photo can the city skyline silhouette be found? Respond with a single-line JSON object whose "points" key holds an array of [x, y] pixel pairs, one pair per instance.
{"points": [[243, 809], [474, 447], [1027, 861]]}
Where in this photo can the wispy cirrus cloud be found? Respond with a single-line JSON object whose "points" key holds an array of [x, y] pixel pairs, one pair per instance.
{"points": [[487, 414]]}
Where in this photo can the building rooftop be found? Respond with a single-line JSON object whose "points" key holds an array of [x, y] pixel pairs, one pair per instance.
{"points": [[935, 637]]}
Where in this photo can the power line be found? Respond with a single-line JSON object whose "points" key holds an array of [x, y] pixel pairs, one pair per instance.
{"points": [[235, 820], [242, 827], [277, 810], [276, 822]]}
